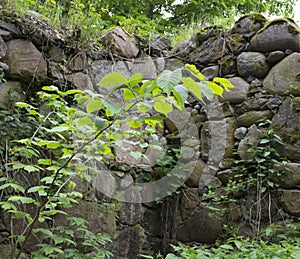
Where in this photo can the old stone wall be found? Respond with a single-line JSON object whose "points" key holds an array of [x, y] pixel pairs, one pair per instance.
{"points": [[261, 59]]}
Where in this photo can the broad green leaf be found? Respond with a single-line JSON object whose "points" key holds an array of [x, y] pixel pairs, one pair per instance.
{"points": [[161, 105], [45, 161], [218, 90], [94, 105], [194, 71], [23, 105], [23, 200], [84, 121], [112, 79], [128, 95], [181, 94], [18, 166], [207, 91], [145, 106], [74, 91], [193, 87], [53, 144], [51, 88], [167, 80], [8, 205], [31, 168], [13, 186], [59, 129], [36, 189], [135, 79], [100, 123], [111, 108], [134, 123], [224, 82]]}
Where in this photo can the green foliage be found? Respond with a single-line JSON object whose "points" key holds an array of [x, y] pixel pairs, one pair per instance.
{"points": [[142, 17], [43, 162], [241, 247]]}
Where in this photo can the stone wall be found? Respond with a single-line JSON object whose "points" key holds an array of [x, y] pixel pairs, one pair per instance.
{"points": [[260, 59]]}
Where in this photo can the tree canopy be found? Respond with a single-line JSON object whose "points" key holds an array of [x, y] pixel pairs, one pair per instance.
{"points": [[160, 15]]}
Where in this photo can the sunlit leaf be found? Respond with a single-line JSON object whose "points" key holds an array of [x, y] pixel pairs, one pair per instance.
{"points": [[216, 89], [224, 82], [193, 87], [161, 105], [135, 79], [194, 71], [93, 105], [167, 80], [112, 79]]}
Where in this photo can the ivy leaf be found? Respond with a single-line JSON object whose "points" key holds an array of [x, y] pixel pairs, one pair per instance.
{"points": [[161, 105], [112, 79], [193, 87], [194, 71], [224, 82], [93, 105], [168, 80]]}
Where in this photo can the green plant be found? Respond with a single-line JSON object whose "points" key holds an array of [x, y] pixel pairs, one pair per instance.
{"points": [[41, 166]]}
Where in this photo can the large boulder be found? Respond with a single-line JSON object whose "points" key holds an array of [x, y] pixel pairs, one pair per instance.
{"points": [[284, 77], [289, 175], [252, 64], [249, 23], [200, 226], [237, 94], [290, 200], [209, 52], [25, 62], [286, 124], [120, 43], [217, 139], [279, 34]]}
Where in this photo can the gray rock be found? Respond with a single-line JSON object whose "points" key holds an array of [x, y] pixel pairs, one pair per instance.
{"points": [[77, 63], [209, 52], [240, 132], [280, 34], [250, 141], [217, 139], [226, 175], [237, 94], [290, 201], [286, 123], [289, 177], [211, 72], [81, 81], [120, 43], [284, 76], [193, 180], [160, 64], [200, 226], [252, 64], [252, 117], [251, 104], [11, 92], [185, 49], [275, 56], [3, 48], [25, 62], [249, 23]]}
